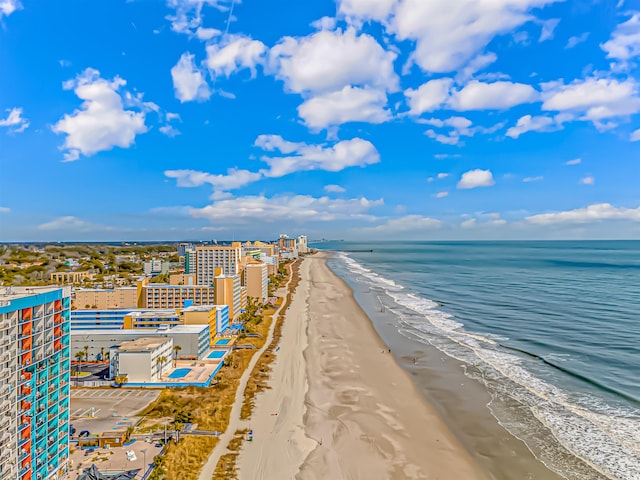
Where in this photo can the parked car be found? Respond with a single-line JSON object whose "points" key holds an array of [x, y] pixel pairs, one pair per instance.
{"points": [[84, 433]]}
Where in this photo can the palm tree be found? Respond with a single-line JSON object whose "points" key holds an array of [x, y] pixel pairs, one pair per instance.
{"points": [[161, 361], [102, 354], [86, 353], [176, 349], [79, 355]]}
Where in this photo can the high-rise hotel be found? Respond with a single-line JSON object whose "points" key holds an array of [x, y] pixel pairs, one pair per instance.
{"points": [[34, 382]]}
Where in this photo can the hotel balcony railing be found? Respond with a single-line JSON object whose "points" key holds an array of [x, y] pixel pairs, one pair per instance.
{"points": [[24, 471], [22, 442]]}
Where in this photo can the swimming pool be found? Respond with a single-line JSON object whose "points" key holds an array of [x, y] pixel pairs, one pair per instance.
{"points": [[217, 354], [179, 373], [223, 341]]}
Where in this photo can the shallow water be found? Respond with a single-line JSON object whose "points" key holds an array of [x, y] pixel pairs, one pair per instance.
{"points": [[551, 329]]}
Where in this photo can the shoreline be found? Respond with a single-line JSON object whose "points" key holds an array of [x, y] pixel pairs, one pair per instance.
{"points": [[346, 407]]}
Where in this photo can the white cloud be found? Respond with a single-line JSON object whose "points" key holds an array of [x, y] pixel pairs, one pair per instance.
{"points": [[576, 40], [233, 179], [483, 220], [350, 104], [207, 33], [5, 210], [71, 224], [441, 194], [233, 53], [301, 156], [303, 208], [460, 127], [527, 123], [575, 161], [548, 28], [101, 122], [635, 136], [442, 175], [476, 178], [595, 99], [532, 179], [334, 189], [15, 121], [169, 130], [593, 213], [588, 180], [492, 96], [478, 63], [625, 41], [408, 223], [324, 23], [310, 64], [7, 7], [357, 11], [449, 34], [187, 18], [188, 81], [429, 96]]}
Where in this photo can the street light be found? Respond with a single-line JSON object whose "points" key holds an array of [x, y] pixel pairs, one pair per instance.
{"points": [[144, 455]]}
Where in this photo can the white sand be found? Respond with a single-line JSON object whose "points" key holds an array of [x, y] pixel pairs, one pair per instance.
{"points": [[345, 409]]}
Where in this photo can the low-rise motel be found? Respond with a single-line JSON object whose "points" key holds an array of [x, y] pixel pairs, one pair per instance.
{"points": [[34, 382]]}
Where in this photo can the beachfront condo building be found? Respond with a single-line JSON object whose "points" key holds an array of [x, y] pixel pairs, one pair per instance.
{"points": [[34, 382], [163, 295], [256, 279], [212, 260], [302, 245], [229, 291], [122, 297]]}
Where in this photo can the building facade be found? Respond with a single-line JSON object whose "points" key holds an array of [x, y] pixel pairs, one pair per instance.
{"points": [[123, 297], [302, 245], [162, 295], [224, 257], [143, 359], [228, 291], [69, 277], [256, 279], [34, 382]]}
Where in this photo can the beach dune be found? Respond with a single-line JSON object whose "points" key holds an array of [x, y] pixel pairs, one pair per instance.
{"points": [[346, 409]]}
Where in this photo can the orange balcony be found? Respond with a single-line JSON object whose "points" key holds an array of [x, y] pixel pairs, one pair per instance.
{"points": [[27, 314], [57, 318], [57, 331], [26, 359], [57, 305]]}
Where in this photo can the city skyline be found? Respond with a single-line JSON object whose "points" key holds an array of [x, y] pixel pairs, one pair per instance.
{"points": [[350, 119]]}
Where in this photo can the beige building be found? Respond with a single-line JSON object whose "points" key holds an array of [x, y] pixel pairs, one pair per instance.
{"points": [[182, 279], [123, 297], [69, 277], [256, 278], [229, 291], [209, 258], [162, 295], [144, 359]]}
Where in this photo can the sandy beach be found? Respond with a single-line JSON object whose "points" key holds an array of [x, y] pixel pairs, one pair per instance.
{"points": [[340, 406]]}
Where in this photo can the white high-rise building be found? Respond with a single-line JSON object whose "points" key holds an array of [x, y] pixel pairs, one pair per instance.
{"points": [[302, 244], [209, 258]]}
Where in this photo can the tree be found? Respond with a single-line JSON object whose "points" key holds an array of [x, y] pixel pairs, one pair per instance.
{"points": [[79, 355], [176, 349], [121, 379], [86, 353], [102, 354], [161, 361]]}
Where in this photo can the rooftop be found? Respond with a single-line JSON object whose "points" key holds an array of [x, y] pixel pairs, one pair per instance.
{"points": [[145, 344], [146, 332], [13, 293]]}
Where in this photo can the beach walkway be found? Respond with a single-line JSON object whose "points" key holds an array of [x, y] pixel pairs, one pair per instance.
{"points": [[220, 449]]}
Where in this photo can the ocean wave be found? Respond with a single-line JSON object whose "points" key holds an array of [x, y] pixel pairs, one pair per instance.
{"points": [[606, 438]]}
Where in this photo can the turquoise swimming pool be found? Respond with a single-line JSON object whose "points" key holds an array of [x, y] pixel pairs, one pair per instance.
{"points": [[223, 341], [179, 373], [217, 354]]}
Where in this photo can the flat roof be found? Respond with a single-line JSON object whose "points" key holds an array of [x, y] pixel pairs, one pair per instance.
{"points": [[199, 308], [12, 293], [144, 344], [142, 332], [151, 314]]}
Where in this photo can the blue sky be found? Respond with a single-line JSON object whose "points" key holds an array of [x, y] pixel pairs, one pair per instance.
{"points": [[355, 119]]}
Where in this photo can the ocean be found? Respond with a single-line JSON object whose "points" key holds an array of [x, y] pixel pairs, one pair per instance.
{"points": [[550, 329]]}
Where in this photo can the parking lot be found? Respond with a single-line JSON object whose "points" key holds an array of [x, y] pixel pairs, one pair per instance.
{"points": [[102, 410]]}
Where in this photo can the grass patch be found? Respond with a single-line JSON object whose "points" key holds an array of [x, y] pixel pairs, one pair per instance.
{"points": [[258, 381]]}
